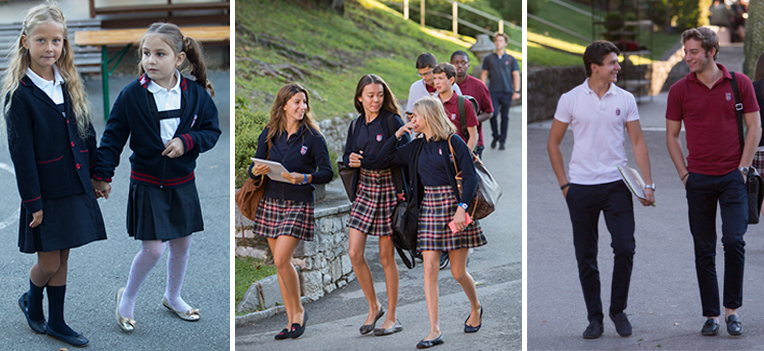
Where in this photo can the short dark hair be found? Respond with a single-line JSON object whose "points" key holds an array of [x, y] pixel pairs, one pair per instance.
{"points": [[596, 52], [460, 53], [426, 60], [446, 68], [707, 38], [506, 37]]}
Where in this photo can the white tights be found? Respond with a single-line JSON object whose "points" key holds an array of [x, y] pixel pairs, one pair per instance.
{"points": [[150, 253]]}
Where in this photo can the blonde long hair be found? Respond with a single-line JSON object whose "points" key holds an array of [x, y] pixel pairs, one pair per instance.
{"points": [[19, 62], [432, 111], [278, 122], [171, 35]]}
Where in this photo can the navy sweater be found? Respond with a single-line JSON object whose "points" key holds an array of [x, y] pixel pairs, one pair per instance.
{"points": [[49, 156], [409, 155], [307, 153], [131, 117]]}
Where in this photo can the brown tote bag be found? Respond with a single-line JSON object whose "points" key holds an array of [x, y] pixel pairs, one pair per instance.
{"points": [[488, 191], [250, 194]]}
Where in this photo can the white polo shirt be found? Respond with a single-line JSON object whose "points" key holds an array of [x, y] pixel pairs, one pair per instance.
{"points": [[598, 131], [418, 90], [52, 88], [167, 100]]}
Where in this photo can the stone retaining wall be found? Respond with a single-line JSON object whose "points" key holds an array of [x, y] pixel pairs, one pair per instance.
{"points": [[546, 85]]}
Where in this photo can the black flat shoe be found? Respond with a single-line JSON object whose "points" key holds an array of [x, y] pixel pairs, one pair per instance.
{"points": [[283, 334], [622, 325], [297, 330], [493, 143], [710, 328], [368, 328], [426, 344], [39, 327], [471, 329], [593, 331], [734, 325], [76, 340], [396, 328]]}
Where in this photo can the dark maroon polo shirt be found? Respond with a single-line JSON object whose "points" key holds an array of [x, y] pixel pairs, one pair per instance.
{"points": [[452, 112], [710, 120], [474, 87]]}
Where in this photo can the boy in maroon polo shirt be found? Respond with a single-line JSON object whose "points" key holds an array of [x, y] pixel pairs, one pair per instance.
{"points": [[476, 88], [444, 75], [715, 170]]}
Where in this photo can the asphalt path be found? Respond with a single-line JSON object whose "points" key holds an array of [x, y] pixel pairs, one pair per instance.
{"points": [[335, 319], [98, 269]]}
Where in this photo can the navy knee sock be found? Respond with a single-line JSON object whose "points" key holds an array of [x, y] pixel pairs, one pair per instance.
{"points": [[34, 301], [56, 310]]}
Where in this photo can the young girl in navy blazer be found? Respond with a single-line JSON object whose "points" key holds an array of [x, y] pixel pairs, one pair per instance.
{"points": [[434, 190], [375, 195], [285, 213], [170, 120], [52, 145]]}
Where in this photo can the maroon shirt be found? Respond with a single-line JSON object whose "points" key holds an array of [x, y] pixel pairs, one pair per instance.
{"points": [[474, 87], [452, 112], [710, 120]]}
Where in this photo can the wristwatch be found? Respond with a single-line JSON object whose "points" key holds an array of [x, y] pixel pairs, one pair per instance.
{"points": [[743, 170], [650, 186], [464, 206]]}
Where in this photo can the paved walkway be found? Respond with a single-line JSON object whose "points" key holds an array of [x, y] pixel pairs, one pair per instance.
{"points": [[97, 270], [335, 319], [664, 302]]}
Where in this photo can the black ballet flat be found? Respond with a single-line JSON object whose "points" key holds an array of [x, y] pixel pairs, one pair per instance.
{"points": [[297, 330], [426, 344], [471, 329], [368, 328]]}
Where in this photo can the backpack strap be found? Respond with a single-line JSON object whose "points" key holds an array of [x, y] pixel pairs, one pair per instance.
{"points": [[462, 116], [739, 110]]}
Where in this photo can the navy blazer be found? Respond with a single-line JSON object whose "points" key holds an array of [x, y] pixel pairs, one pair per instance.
{"points": [[50, 157], [131, 116], [409, 155], [374, 161], [305, 156]]}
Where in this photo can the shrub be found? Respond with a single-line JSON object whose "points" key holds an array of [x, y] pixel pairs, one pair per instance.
{"points": [[249, 125]]}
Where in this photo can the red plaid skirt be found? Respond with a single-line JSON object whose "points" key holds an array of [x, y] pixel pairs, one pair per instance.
{"points": [[433, 234], [758, 161], [374, 203], [276, 217]]}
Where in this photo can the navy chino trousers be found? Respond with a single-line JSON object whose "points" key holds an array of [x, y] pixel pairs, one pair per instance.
{"points": [[585, 202], [501, 102], [703, 194]]}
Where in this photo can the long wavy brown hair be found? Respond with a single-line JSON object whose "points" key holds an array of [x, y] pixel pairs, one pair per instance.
{"points": [[278, 122], [389, 104]]}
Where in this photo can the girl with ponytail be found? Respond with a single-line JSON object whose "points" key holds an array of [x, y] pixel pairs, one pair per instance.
{"points": [[52, 145], [169, 120]]}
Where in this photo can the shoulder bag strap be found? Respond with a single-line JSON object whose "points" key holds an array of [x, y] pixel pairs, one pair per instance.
{"points": [[451, 149], [739, 110], [462, 116]]}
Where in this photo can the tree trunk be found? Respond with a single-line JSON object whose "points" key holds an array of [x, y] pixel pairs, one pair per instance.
{"points": [[754, 36]]}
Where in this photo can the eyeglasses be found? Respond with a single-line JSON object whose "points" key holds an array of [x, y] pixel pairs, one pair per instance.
{"points": [[425, 73]]}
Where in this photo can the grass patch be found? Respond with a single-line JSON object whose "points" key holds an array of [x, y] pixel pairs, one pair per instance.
{"points": [[542, 56], [248, 271]]}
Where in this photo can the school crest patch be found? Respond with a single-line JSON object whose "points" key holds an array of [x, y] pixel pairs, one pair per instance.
{"points": [[453, 116], [617, 111], [440, 152], [728, 96], [303, 150], [379, 137]]}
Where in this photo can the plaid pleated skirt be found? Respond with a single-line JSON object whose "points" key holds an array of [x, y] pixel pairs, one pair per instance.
{"points": [[374, 203], [758, 161], [276, 217], [433, 234]]}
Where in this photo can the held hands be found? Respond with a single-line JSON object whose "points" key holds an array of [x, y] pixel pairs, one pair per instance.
{"points": [[406, 128], [649, 198], [174, 148], [261, 169], [355, 160], [460, 219], [36, 219], [294, 177], [101, 188]]}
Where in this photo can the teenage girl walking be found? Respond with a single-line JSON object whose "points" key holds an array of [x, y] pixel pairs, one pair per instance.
{"points": [[285, 213], [434, 189], [170, 120], [53, 146], [375, 195]]}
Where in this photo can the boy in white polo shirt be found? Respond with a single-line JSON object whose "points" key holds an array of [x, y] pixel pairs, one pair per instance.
{"points": [[598, 112]]}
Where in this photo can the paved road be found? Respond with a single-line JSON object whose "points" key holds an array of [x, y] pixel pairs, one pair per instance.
{"points": [[664, 302], [97, 270], [334, 319]]}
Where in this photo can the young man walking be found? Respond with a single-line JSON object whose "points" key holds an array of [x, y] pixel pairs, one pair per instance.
{"points": [[424, 87], [504, 85], [598, 112], [444, 76], [476, 88], [716, 169]]}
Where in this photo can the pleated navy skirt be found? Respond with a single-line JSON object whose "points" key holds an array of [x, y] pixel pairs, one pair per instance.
{"points": [[163, 214], [67, 222]]}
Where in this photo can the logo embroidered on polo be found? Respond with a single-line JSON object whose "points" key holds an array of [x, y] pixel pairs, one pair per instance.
{"points": [[728, 96], [379, 137], [617, 111], [453, 116], [303, 150], [440, 152]]}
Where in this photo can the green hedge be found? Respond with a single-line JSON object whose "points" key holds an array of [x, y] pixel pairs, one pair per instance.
{"points": [[685, 14], [249, 125]]}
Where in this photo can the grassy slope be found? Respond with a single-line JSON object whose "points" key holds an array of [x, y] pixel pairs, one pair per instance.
{"points": [[580, 24], [369, 38]]}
